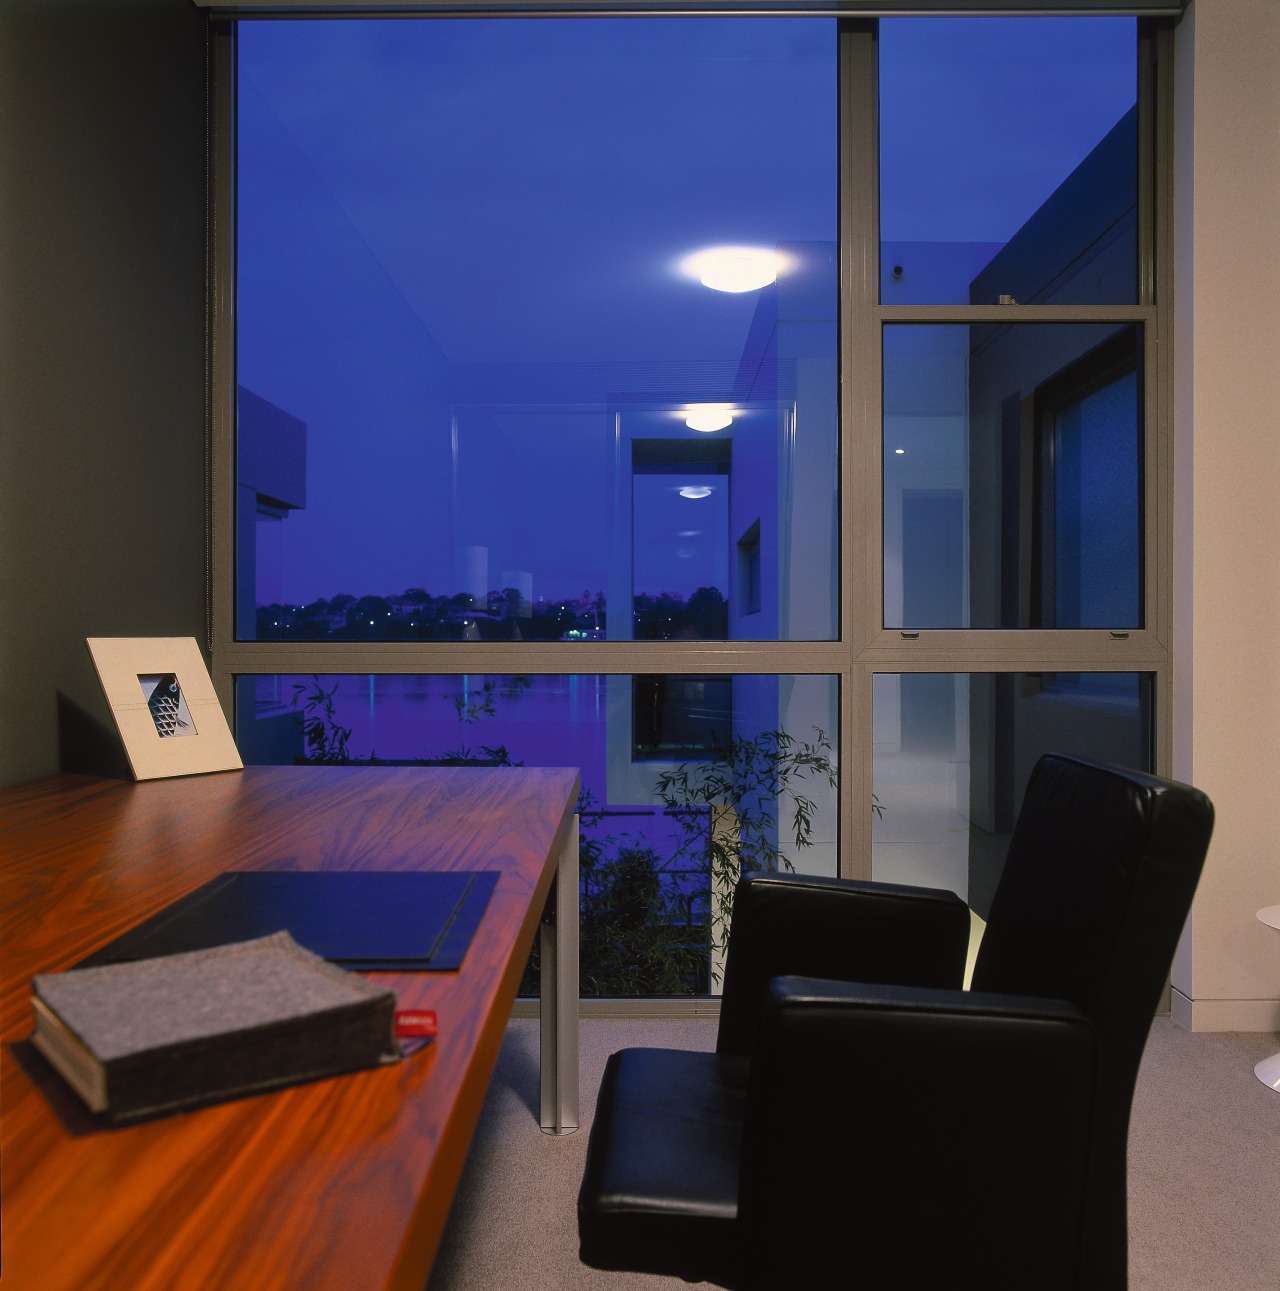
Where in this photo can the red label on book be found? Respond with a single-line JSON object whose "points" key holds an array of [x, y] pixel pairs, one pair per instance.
{"points": [[416, 1022]]}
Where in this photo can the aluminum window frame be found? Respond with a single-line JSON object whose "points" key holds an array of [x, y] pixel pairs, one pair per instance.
{"points": [[864, 647]]}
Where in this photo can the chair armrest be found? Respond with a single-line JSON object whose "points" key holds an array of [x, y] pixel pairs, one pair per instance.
{"points": [[888, 1129], [841, 929]]}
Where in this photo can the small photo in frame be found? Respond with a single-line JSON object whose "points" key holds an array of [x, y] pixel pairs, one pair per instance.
{"points": [[164, 706], [167, 705]]}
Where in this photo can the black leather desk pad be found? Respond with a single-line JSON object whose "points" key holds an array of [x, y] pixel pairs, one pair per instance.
{"points": [[366, 920]]}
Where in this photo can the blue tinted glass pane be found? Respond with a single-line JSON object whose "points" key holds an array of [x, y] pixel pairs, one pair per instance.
{"points": [[669, 765], [680, 525], [473, 310], [953, 752], [1008, 160], [1012, 476], [1096, 479], [679, 717]]}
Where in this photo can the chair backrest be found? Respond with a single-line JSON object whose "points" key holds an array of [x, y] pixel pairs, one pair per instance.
{"points": [[1095, 891], [1096, 888]]}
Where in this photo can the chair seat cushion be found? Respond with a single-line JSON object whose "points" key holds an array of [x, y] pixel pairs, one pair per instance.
{"points": [[660, 1189]]}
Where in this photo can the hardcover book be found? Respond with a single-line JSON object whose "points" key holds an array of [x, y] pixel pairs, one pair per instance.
{"points": [[161, 1035]]}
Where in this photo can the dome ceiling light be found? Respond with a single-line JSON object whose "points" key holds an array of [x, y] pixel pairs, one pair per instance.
{"points": [[735, 269], [708, 417]]}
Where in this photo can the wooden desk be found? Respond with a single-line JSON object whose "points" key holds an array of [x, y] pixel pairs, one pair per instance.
{"points": [[344, 1183]]}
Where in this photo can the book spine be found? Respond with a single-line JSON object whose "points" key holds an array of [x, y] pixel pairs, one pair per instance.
{"points": [[231, 1066]]}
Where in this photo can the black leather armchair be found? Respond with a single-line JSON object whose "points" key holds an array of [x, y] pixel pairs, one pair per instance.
{"points": [[866, 1122]]}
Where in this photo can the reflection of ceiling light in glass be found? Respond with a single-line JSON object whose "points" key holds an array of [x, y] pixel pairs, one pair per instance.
{"points": [[708, 416], [735, 268], [689, 533], [899, 451], [695, 491]]}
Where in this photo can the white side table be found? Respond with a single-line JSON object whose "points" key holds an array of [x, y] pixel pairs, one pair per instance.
{"points": [[1268, 1070]]}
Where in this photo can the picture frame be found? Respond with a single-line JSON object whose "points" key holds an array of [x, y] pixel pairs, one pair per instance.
{"points": [[164, 706]]}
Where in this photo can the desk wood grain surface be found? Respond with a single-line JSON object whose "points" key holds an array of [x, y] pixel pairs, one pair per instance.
{"points": [[343, 1183]]}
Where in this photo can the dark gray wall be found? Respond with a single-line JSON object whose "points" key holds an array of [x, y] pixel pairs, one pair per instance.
{"points": [[102, 488]]}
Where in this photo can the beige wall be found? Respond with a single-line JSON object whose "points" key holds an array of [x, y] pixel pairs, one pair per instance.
{"points": [[1227, 738], [101, 358]]}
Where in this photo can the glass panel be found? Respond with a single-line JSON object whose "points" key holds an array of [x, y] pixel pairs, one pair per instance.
{"points": [[491, 274], [679, 717], [1013, 476], [680, 524], [1008, 160], [953, 752], [669, 765], [1095, 557]]}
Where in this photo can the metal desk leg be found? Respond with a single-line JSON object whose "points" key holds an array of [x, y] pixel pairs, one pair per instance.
{"points": [[558, 997]]}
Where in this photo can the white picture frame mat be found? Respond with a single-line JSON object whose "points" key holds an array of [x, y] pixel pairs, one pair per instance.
{"points": [[120, 663]]}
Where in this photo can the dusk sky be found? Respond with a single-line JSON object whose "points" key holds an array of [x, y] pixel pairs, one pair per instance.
{"points": [[423, 200]]}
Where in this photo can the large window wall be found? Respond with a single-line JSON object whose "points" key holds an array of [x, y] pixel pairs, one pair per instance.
{"points": [[493, 436], [556, 306], [1022, 458]]}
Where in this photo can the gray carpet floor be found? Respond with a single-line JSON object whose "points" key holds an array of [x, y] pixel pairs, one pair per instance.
{"points": [[1204, 1156]]}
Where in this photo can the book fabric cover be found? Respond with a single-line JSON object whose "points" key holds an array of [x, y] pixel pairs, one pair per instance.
{"points": [[160, 1035]]}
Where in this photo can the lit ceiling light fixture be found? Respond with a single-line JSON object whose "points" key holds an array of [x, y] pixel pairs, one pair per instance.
{"points": [[736, 268], [708, 416], [695, 491]]}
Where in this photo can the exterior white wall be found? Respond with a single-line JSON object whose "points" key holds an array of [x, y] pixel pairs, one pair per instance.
{"points": [[1227, 584]]}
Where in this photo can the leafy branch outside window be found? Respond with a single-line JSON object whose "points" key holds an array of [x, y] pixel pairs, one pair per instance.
{"points": [[724, 809], [323, 737]]}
